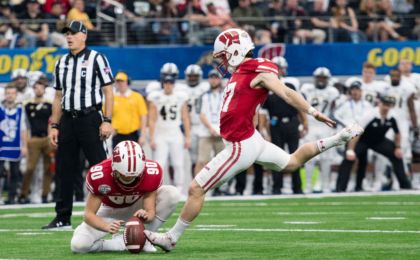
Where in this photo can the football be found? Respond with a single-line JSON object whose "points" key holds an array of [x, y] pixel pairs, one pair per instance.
{"points": [[134, 237]]}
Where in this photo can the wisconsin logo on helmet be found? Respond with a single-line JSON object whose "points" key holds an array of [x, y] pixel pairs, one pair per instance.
{"points": [[230, 37], [116, 155]]}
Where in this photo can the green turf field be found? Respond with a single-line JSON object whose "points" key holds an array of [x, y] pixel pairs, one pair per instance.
{"points": [[375, 227]]}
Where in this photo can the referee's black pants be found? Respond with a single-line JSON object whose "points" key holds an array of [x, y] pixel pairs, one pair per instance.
{"points": [[75, 134], [386, 148], [282, 134]]}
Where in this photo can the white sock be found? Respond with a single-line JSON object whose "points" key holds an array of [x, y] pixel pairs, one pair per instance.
{"points": [[114, 244], [329, 142], [155, 224], [178, 229]]}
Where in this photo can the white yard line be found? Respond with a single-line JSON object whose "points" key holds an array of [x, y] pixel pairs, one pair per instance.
{"points": [[32, 230], [386, 218], [215, 226], [301, 222], [314, 213], [265, 197], [284, 230], [37, 214], [266, 230]]}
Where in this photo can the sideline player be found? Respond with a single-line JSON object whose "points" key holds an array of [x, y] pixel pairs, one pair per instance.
{"points": [[167, 69], [247, 88], [195, 87], [404, 93], [167, 110], [321, 95], [119, 187]]}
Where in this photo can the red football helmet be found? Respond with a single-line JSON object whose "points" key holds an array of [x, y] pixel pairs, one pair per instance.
{"points": [[231, 46], [128, 160]]}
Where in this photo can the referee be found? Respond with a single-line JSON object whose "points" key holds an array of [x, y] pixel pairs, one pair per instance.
{"points": [[83, 82]]}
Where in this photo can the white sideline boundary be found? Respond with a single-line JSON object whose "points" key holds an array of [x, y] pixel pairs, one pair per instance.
{"points": [[250, 198], [262, 230]]}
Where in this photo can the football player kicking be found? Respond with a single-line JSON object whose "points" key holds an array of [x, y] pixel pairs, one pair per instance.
{"points": [[248, 87], [122, 186]]}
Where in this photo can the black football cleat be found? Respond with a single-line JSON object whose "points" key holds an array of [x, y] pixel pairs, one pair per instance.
{"points": [[58, 224]]}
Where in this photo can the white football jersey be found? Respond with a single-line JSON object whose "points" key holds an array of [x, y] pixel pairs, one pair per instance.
{"points": [[351, 112], [414, 79], [401, 93], [370, 90], [320, 99], [168, 109], [194, 94], [157, 86], [342, 98]]}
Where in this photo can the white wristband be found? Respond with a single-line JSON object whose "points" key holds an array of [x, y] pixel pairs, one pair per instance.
{"points": [[312, 111], [350, 153]]}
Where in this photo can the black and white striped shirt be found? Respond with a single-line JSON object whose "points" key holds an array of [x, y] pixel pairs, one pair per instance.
{"points": [[80, 77]]}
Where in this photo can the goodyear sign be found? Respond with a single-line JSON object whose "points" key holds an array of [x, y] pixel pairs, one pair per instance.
{"points": [[347, 59], [40, 59], [143, 63]]}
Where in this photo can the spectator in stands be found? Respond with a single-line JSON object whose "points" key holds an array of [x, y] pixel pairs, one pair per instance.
{"points": [[129, 115], [135, 13], [56, 23], [247, 14], [197, 19], [369, 19], [13, 141], [166, 31], [262, 37], [38, 112], [35, 32], [9, 25], [403, 6], [309, 32], [221, 21], [77, 13], [393, 25], [320, 17], [344, 22], [416, 29], [6, 34], [278, 25], [293, 12], [49, 4], [202, 27]]}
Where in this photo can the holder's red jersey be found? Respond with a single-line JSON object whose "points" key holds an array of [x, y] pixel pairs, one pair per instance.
{"points": [[240, 101], [99, 181]]}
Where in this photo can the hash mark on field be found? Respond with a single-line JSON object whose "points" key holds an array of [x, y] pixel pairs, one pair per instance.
{"points": [[34, 233], [302, 222], [215, 226], [386, 218]]}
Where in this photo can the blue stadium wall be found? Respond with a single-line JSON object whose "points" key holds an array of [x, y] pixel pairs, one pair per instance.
{"points": [[143, 63]]}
